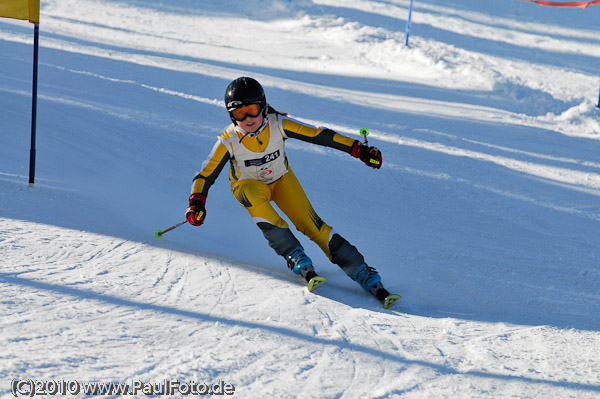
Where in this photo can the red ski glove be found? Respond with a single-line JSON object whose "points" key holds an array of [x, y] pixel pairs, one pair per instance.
{"points": [[196, 212], [371, 156]]}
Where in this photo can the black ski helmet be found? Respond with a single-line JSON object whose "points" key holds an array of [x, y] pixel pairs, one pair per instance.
{"points": [[244, 91]]}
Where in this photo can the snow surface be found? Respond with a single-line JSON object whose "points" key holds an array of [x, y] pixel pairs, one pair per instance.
{"points": [[485, 216]]}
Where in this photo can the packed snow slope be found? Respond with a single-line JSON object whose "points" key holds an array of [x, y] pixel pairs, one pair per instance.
{"points": [[485, 216]]}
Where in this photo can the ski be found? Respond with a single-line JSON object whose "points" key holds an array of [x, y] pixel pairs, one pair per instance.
{"points": [[313, 280], [387, 300], [315, 283], [390, 300]]}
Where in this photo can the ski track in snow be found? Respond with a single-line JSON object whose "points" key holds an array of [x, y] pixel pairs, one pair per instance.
{"points": [[488, 196], [81, 294]]}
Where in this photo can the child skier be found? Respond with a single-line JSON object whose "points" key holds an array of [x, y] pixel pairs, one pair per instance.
{"points": [[254, 145]]}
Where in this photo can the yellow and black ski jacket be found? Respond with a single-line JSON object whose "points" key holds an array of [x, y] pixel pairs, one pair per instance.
{"points": [[262, 157]]}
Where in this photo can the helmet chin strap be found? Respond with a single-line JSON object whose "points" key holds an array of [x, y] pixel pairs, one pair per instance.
{"points": [[252, 134]]}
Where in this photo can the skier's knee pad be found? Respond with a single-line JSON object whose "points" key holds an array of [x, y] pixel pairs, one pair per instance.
{"points": [[280, 239], [345, 255]]}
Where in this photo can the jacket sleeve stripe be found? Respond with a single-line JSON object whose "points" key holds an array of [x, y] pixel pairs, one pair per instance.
{"points": [[317, 135]]}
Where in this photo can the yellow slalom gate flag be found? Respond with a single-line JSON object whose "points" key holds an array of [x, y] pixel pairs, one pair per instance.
{"points": [[21, 9]]}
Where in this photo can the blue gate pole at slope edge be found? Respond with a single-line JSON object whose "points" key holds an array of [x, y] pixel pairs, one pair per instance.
{"points": [[408, 23], [599, 99]]}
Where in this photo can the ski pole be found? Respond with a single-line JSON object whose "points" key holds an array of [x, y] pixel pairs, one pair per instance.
{"points": [[159, 234], [365, 132]]}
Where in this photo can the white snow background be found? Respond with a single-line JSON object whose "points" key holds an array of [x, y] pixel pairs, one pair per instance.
{"points": [[485, 216]]}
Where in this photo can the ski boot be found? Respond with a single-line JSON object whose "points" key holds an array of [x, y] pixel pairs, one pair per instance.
{"points": [[300, 264], [370, 280]]}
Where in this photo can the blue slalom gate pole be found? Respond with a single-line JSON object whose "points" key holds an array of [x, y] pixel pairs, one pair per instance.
{"points": [[598, 99], [408, 22]]}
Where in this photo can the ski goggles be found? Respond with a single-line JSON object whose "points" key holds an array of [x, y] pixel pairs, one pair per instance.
{"points": [[252, 110]]}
